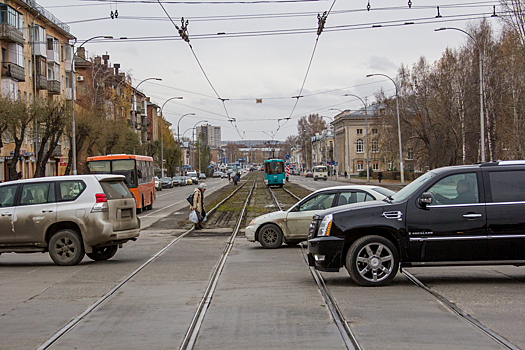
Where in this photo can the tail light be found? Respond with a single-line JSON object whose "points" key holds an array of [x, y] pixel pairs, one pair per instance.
{"points": [[101, 204], [101, 198]]}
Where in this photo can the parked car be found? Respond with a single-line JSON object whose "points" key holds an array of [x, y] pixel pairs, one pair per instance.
{"points": [[291, 226], [217, 174], [462, 215], [166, 182], [158, 184], [202, 176], [177, 181], [309, 174], [67, 216]]}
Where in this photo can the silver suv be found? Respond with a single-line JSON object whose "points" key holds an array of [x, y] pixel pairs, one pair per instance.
{"points": [[69, 216]]}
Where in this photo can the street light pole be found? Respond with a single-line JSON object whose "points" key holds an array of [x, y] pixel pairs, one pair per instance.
{"points": [[178, 136], [161, 134], [135, 105], [193, 139], [398, 127], [481, 112], [73, 98], [366, 137]]}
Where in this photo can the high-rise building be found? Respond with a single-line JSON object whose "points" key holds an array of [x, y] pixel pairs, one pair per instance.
{"points": [[212, 134]]}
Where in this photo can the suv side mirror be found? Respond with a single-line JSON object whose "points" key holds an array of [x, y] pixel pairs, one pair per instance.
{"points": [[425, 199]]}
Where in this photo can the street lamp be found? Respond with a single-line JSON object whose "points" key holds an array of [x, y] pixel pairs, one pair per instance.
{"points": [[398, 127], [193, 139], [481, 117], [178, 135], [135, 104], [73, 98], [161, 133], [366, 137]]}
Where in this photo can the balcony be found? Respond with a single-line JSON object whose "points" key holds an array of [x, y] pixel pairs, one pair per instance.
{"points": [[39, 49], [53, 87], [13, 71], [41, 82], [11, 34]]}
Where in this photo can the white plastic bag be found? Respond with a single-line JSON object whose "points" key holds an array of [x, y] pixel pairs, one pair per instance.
{"points": [[193, 217]]}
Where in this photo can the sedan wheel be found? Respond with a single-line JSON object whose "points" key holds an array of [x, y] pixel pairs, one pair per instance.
{"points": [[372, 261], [270, 236], [66, 248]]}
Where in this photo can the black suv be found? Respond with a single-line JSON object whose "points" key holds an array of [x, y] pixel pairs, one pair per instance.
{"points": [[461, 215]]}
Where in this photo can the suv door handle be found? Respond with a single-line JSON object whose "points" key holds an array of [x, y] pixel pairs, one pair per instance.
{"points": [[472, 216], [7, 214], [47, 211]]}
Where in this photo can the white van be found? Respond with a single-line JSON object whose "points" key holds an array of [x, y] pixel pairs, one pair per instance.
{"points": [[194, 176], [320, 173]]}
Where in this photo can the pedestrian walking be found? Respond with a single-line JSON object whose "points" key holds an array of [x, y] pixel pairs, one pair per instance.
{"points": [[198, 204], [19, 175], [235, 180], [346, 174], [380, 176]]}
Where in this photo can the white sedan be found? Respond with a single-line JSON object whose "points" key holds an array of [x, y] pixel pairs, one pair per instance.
{"points": [[291, 226]]}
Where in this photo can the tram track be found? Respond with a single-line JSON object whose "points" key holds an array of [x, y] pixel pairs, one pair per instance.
{"points": [[347, 335], [96, 305]]}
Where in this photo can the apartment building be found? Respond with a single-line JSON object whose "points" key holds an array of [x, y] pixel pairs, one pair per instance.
{"points": [[212, 134], [350, 140], [36, 64]]}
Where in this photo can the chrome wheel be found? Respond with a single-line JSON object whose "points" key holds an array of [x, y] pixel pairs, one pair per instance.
{"points": [[372, 261], [270, 236]]}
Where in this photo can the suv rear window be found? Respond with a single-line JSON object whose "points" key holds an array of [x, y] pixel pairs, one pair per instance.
{"points": [[116, 189], [507, 186], [70, 190]]}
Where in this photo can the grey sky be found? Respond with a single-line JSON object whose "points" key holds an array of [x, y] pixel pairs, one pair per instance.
{"points": [[273, 68]]}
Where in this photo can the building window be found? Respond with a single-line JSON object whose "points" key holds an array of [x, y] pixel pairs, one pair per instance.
{"points": [[359, 131], [359, 146], [375, 166], [374, 131], [375, 146], [410, 154], [359, 166]]}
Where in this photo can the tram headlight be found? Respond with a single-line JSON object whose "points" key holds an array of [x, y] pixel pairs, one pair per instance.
{"points": [[326, 226]]}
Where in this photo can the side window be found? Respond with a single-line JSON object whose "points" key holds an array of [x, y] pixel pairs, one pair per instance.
{"points": [[36, 193], [318, 202], [456, 189], [70, 190], [7, 196], [349, 197], [507, 186]]}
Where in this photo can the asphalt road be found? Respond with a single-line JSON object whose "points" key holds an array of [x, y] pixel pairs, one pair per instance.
{"points": [[265, 299]]}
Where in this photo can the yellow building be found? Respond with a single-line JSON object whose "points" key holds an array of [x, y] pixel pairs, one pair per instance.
{"points": [[36, 64]]}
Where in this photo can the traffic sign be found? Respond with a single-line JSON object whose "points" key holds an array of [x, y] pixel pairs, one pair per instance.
{"points": [[287, 164], [184, 166], [336, 163], [287, 156]]}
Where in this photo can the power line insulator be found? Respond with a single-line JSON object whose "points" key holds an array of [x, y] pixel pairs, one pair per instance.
{"points": [[409, 4], [368, 7], [112, 15], [183, 31], [116, 13]]}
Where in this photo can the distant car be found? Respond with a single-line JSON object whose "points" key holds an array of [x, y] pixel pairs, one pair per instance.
{"points": [[178, 181], [42, 215], [158, 184], [291, 226], [217, 174], [309, 174], [202, 176], [166, 182]]}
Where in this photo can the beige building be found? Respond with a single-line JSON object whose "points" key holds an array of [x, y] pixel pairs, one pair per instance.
{"points": [[36, 64], [350, 140]]}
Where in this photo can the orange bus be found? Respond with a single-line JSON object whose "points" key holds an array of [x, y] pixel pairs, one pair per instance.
{"points": [[138, 170]]}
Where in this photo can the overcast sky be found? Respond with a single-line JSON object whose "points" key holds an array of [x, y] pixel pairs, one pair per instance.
{"points": [[268, 67]]}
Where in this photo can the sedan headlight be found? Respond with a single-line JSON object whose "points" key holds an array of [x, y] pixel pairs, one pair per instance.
{"points": [[251, 222], [326, 225]]}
